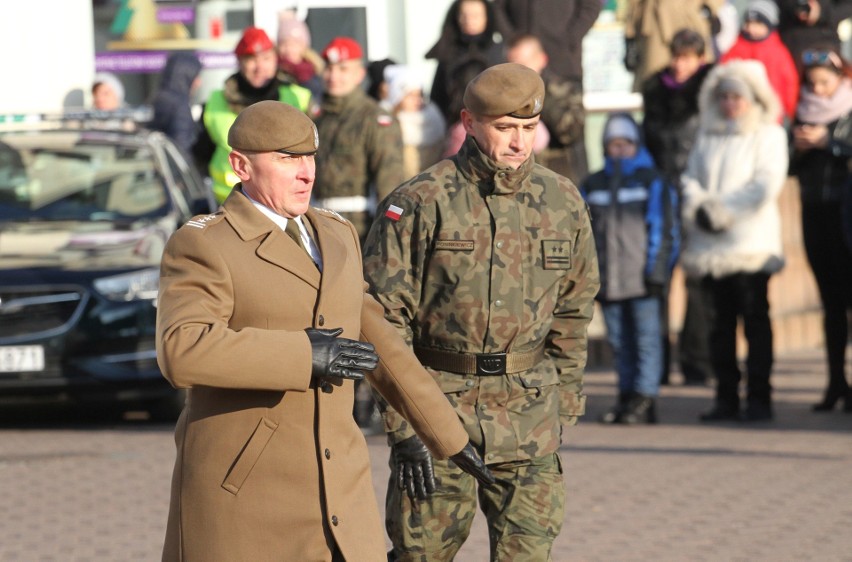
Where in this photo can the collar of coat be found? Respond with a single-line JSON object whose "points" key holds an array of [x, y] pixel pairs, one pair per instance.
{"points": [[333, 104], [277, 248], [487, 174]]}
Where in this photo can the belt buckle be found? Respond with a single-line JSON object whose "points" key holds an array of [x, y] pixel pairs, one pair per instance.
{"points": [[490, 364]]}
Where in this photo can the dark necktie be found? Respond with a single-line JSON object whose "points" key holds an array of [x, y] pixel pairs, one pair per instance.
{"points": [[292, 231]]}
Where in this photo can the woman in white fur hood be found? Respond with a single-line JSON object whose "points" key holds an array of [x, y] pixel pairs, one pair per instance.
{"points": [[732, 226]]}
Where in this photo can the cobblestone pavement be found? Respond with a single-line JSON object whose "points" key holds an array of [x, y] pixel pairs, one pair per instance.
{"points": [[98, 490]]}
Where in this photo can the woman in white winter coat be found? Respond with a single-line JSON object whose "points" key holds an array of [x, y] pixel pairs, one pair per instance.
{"points": [[732, 227]]}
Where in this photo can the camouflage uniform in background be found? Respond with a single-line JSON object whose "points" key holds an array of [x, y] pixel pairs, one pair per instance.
{"points": [[360, 157], [486, 259], [565, 118]]}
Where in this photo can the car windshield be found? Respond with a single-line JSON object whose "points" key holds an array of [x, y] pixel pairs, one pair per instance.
{"points": [[71, 176]]}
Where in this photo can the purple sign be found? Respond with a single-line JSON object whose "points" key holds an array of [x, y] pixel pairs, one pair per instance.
{"points": [[146, 62], [176, 14]]}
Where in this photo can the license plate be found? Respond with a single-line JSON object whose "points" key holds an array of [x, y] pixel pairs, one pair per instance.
{"points": [[17, 358]]}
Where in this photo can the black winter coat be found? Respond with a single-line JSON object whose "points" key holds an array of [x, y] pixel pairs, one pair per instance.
{"points": [[671, 121], [560, 25], [171, 104]]}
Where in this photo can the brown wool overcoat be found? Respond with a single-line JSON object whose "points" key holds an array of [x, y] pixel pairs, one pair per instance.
{"points": [[269, 467]]}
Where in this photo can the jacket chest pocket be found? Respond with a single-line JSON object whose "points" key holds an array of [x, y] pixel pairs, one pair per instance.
{"points": [[249, 455]]}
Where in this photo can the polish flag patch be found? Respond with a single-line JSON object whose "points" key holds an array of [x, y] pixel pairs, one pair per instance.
{"points": [[394, 213], [384, 120]]}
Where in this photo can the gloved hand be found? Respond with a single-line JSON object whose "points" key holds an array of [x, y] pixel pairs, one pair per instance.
{"points": [[655, 289], [340, 358], [414, 466], [631, 54], [469, 460], [712, 216]]}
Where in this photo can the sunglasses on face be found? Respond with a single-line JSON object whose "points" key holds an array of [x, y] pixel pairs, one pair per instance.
{"points": [[821, 58]]}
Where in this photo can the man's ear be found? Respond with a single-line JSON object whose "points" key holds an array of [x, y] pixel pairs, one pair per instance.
{"points": [[467, 121], [241, 165]]}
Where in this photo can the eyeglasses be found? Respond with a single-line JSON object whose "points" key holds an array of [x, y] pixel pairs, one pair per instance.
{"points": [[821, 58]]}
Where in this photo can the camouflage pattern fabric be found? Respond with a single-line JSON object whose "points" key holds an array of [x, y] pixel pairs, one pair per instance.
{"points": [[524, 510], [565, 118], [482, 260], [360, 153]]}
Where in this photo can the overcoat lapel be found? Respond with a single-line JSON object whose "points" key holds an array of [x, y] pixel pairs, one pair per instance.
{"points": [[331, 247], [276, 247]]}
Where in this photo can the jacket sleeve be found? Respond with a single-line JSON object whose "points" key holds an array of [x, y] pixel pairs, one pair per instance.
{"points": [[584, 17], [406, 386], [196, 346], [567, 341], [663, 235], [693, 193], [393, 264]]}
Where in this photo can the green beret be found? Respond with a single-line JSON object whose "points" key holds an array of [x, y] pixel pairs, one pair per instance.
{"points": [[505, 89], [273, 126]]}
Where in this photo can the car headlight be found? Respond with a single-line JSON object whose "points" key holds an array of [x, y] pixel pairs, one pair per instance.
{"points": [[135, 286]]}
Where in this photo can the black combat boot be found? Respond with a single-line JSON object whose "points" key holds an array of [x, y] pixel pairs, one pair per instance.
{"points": [[613, 415], [640, 409]]}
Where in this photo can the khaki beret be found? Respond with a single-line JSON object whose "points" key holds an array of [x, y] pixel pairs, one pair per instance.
{"points": [[273, 126], [505, 89]]}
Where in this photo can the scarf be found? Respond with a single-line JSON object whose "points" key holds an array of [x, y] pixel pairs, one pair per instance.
{"points": [[818, 110], [301, 71]]}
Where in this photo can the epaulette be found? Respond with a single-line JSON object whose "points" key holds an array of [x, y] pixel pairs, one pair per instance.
{"points": [[202, 221], [332, 214]]}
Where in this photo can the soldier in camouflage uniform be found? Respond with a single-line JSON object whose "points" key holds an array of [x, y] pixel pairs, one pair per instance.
{"points": [[563, 113], [486, 264], [360, 156]]}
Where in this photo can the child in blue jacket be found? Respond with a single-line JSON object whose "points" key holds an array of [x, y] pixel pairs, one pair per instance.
{"points": [[636, 229]]}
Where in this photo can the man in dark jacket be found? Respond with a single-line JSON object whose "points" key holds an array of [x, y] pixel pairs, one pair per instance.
{"points": [[172, 111], [560, 24], [670, 98]]}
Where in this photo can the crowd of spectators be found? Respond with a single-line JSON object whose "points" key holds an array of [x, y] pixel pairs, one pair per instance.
{"points": [[700, 173]]}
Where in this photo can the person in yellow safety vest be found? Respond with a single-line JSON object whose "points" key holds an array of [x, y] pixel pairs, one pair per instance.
{"points": [[256, 80]]}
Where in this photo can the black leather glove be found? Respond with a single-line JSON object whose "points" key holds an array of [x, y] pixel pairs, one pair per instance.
{"points": [[414, 466], [631, 54], [469, 460], [655, 289], [711, 216], [340, 358]]}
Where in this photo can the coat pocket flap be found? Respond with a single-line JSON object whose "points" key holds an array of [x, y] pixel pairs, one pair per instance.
{"points": [[248, 456]]}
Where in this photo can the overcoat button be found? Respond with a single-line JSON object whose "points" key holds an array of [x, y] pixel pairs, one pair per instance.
{"points": [[334, 520], [321, 320], [327, 454]]}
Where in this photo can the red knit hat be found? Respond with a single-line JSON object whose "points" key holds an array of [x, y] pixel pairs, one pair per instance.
{"points": [[254, 40], [341, 49]]}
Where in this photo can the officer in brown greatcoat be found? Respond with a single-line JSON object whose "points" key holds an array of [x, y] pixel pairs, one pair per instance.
{"points": [[261, 309]]}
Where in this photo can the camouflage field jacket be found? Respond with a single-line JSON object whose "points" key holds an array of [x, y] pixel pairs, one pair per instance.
{"points": [[471, 257]]}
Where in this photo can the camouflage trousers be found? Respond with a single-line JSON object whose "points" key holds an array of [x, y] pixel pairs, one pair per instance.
{"points": [[524, 510]]}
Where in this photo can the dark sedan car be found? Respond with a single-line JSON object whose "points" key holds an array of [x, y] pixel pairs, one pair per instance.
{"points": [[84, 216]]}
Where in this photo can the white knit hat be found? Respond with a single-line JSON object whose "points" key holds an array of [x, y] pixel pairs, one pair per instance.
{"points": [[620, 126], [762, 10]]}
